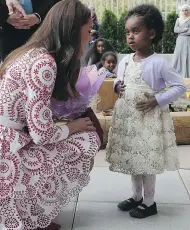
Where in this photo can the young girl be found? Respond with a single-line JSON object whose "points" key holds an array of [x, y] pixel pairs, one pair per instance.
{"points": [[96, 50], [141, 139], [109, 62]]}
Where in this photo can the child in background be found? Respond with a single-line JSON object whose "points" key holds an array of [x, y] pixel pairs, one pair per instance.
{"points": [[141, 138], [96, 50], [109, 62]]}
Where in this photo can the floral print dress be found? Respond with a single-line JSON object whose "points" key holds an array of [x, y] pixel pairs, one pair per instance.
{"points": [[41, 171]]}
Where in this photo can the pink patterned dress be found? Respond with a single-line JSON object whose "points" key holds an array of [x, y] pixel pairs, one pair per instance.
{"points": [[42, 171]]}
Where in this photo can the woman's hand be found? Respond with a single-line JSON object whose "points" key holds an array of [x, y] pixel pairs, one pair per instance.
{"points": [[18, 21], [81, 125], [147, 105]]}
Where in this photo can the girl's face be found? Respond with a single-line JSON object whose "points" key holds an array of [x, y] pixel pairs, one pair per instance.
{"points": [[100, 47], [110, 63], [138, 36]]}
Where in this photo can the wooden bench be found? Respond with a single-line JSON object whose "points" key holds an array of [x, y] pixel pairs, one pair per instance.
{"points": [[108, 98]]}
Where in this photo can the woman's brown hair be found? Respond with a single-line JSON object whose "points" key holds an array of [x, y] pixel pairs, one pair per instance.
{"points": [[60, 34]]}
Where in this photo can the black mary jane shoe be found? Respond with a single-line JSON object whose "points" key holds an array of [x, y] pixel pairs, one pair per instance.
{"points": [[129, 204], [143, 211]]}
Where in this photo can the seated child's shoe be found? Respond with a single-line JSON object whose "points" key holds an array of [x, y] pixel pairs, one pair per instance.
{"points": [[129, 204], [142, 211]]}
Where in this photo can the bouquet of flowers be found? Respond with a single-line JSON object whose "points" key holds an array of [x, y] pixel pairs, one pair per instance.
{"points": [[88, 84]]}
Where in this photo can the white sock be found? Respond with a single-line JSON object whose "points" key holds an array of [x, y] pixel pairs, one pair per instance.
{"points": [[149, 182], [137, 183]]}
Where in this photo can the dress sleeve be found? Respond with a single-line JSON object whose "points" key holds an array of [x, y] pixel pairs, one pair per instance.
{"points": [[39, 86], [4, 14], [178, 29], [175, 82]]}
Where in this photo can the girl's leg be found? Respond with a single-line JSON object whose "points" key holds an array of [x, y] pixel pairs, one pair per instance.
{"points": [[149, 182], [137, 183], [136, 200], [148, 207]]}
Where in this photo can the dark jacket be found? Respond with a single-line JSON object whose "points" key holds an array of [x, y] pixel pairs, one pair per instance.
{"points": [[11, 38], [95, 27]]}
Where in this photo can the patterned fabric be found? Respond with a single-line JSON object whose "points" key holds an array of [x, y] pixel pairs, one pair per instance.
{"points": [[40, 172], [140, 143]]}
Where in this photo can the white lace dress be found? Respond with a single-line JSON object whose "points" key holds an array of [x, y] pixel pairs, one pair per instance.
{"points": [[139, 142]]}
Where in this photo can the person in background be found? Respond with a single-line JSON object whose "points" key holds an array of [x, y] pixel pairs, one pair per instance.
{"points": [[181, 58], [96, 50], [44, 164], [18, 28], [109, 62], [95, 28]]}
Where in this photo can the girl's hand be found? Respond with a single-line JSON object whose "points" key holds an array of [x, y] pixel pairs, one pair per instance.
{"points": [[80, 125], [120, 88], [147, 105]]}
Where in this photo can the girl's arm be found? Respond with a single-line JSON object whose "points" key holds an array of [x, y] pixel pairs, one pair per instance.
{"points": [[121, 71], [175, 81]]}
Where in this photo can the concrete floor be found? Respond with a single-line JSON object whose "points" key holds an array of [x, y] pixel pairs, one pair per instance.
{"points": [[96, 207]]}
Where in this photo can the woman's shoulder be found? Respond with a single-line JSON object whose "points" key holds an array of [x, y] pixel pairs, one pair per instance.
{"points": [[38, 58], [39, 53]]}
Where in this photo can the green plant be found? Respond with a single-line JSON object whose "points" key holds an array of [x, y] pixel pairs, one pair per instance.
{"points": [[114, 30], [122, 46], [108, 28], [169, 38], [158, 48]]}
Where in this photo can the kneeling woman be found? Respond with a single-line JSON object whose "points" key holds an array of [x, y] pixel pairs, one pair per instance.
{"points": [[42, 169]]}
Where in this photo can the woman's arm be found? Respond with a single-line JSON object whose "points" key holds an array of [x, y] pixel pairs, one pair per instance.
{"points": [[178, 29], [40, 84], [187, 33]]}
